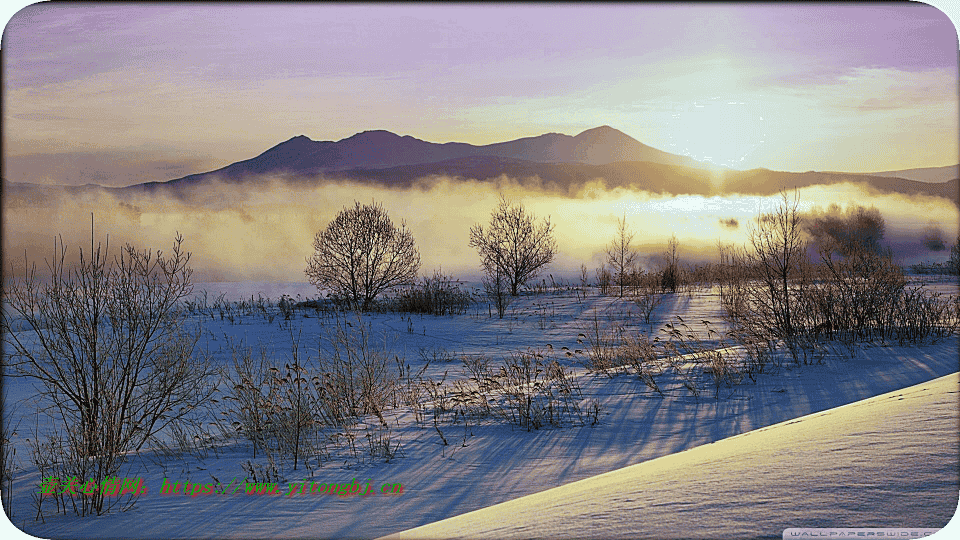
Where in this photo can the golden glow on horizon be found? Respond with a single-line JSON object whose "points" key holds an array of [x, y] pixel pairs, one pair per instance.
{"points": [[266, 234]]}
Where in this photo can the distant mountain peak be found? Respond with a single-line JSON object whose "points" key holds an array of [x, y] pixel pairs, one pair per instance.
{"points": [[374, 135], [602, 132], [601, 129]]}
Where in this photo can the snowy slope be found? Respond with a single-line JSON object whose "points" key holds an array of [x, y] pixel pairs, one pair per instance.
{"points": [[889, 461]]}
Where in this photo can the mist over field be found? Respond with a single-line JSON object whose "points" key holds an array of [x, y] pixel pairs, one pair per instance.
{"points": [[265, 231]]}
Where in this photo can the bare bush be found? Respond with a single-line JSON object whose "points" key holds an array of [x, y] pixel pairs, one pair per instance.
{"points": [[293, 411], [774, 295], [439, 295], [8, 469], [690, 358], [528, 391], [859, 296], [355, 376], [249, 390], [640, 354], [601, 342], [361, 254], [921, 317], [514, 247], [777, 254], [647, 295], [105, 340]]}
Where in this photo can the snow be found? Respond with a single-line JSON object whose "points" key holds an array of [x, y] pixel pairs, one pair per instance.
{"points": [[887, 461], [494, 463]]}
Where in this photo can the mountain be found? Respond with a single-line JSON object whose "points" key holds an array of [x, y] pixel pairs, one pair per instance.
{"points": [[553, 161], [383, 149], [566, 178], [767, 182], [645, 175], [926, 174], [597, 146]]}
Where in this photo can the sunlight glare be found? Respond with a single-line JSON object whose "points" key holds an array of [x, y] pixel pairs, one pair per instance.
{"points": [[718, 130]]}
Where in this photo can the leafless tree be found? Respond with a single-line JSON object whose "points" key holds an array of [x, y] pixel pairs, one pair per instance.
{"points": [[361, 254], [670, 273], [514, 245], [857, 230], [620, 255], [495, 287], [105, 340], [953, 264], [778, 253], [603, 279]]}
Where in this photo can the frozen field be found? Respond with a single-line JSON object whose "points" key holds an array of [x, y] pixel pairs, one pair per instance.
{"points": [[491, 462]]}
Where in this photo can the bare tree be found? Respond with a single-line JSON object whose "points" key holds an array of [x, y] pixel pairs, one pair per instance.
{"points": [[495, 287], [857, 230], [105, 341], [361, 254], [953, 264], [514, 245], [670, 274], [620, 255], [778, 253], [603, 279]]}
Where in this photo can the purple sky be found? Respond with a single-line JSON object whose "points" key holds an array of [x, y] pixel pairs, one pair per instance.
{"points": [[119, 94]]}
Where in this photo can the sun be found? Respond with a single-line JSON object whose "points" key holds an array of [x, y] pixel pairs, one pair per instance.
{"points": [[717, 130]]}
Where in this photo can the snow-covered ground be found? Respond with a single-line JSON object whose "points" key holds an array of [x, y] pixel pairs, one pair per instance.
{"points": [[494, 462], [888, 461]]}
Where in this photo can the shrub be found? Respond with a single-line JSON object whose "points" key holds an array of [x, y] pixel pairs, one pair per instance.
{"points": [[292, 411], [439, 295], [110, 354], [647, 296], [530, 392]]}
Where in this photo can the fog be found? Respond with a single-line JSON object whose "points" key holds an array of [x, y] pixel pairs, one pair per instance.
{"points": [[264, 231]]}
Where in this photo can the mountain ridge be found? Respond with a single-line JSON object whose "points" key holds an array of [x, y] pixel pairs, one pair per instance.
{"points": [[553, 161], [377, 149]]}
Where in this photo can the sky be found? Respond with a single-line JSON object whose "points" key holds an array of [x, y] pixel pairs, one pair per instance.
{"points": [[117, 94]]}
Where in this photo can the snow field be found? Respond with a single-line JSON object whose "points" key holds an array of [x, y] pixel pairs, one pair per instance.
{"points": [[488, 462]]}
